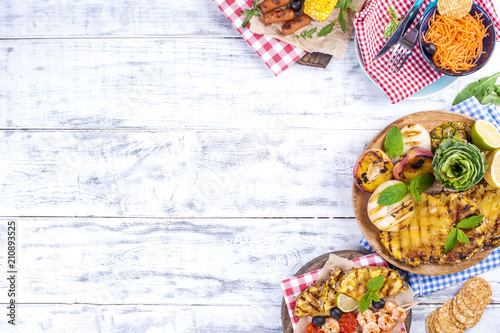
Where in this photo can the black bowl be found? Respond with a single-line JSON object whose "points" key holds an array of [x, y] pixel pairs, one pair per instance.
{"points": [[488, 42]]}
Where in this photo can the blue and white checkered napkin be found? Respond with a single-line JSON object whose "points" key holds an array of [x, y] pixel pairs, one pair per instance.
{"points": [[424, 284]]}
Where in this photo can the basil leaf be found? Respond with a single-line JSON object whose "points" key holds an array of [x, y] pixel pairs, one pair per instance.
{"points": [[491, 98], [392, 194], [462, 237], [470, 222], [415, 194], [393, 143], [451, 242], [365, 302], [375, 283], [479, 89], [327, 29], [422, 183]]}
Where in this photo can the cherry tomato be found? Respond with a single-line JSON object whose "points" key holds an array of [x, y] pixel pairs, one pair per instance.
{"points": [[348, 323], [313, 329]]}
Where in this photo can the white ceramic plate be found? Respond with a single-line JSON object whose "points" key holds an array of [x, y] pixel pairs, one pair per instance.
{"points": [[433, 89]]}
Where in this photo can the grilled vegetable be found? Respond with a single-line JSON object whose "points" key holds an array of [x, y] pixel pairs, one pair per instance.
{"points": [[487, 198], [392, 217], [458, 164], [460, 208], [417, 162], [423, 240], [354, 283], [448, 130], [415, 135], [319, 9], [319, 298], [371, 169]]}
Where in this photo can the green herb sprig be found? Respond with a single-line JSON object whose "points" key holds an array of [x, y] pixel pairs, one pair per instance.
{"points": [[254, 11], [485, 90], [373, 286], [342, 5], [306, 34], [393, 143], [395, 193], [394, 22], [456, 235]]}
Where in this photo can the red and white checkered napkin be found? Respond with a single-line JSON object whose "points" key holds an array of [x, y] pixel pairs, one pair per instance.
{"points": [[294, 286], [416, 73], [277, 55]]}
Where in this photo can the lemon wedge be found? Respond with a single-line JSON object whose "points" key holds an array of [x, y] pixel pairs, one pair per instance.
{"points": [[492, 174]]}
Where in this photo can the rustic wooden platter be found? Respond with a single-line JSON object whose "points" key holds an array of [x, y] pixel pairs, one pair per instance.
{"points": [[315, 264], [430, 120]]}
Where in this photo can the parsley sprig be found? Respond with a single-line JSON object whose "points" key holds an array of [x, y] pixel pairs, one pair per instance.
{"points": [[394, 22], [306, 34], [342, 5], [373, 286], [456, 235], [395, 193], [254, 11]]}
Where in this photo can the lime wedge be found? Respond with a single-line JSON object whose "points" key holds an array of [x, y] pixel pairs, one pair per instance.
{"points": [[492, 174], [346, 303], [485, 135]]}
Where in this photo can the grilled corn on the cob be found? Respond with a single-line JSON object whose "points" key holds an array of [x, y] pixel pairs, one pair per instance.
{"points": [[319, 9]]}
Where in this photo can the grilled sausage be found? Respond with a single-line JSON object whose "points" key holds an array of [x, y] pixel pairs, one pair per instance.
{"points": [[272, 4], [279, 16], [291, 26]]}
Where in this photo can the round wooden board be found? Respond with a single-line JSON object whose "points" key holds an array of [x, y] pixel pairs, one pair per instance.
{"points": [[429, 120], [315, 264]]}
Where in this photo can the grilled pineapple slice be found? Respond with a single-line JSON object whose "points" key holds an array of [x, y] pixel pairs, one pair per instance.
{"points": [[487, 198], [319, 298], [461, 207], [423, 240], [354, 283]]}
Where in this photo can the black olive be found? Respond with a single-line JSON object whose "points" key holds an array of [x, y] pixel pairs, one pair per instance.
{"points": [[378, 305], [318, 321], [430, 49], [296, 5], [335, 313]]}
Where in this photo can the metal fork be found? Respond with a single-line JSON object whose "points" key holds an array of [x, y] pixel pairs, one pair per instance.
{"points": [[403, 49]]}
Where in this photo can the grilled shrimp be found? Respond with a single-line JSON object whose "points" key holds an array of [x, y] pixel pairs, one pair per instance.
{"points": [[331, 326], [371, 327], [386, 322], [396, 312], [366, 317]]}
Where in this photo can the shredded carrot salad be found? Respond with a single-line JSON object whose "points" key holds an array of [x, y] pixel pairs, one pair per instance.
{"points": [[459, 42]]}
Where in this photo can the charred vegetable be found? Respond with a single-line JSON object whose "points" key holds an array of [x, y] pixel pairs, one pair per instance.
{"points": [[458, 164], [449, 130], [371, 169], [417, 162], [415, 135]]}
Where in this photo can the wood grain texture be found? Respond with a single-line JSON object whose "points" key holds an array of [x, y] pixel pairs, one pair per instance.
{"points": [[175, 83], [269, 173]]}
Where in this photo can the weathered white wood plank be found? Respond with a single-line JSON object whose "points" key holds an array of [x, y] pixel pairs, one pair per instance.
{"points": [[188, 83], [114, 18], [181, 319], [260, 173]]}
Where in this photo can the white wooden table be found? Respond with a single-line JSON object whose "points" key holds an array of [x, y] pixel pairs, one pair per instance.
{"points": [[163, 180]]}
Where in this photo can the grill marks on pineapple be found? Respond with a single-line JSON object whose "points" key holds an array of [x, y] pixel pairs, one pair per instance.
{"points": [[488, 199]]}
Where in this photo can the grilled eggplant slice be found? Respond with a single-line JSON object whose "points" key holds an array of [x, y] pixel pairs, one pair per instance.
{"points": [[487, 198], [461, 207], [423, 240], [354, 283]]}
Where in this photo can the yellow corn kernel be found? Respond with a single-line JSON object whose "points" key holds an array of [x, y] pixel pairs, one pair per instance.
{"points": [[319, 9]]}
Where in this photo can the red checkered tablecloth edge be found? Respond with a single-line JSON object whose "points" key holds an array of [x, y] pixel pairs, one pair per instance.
{"points": [[416, 74], [294, 286], [277, 55]]}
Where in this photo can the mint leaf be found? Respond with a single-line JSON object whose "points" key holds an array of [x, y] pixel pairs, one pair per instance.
{"points": [[392, 194], [462, 237], [365, 302], [451, 242], [375, 283], [375, 297], [415, 194], [470, 222], [393, 143], [422, 183]]}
